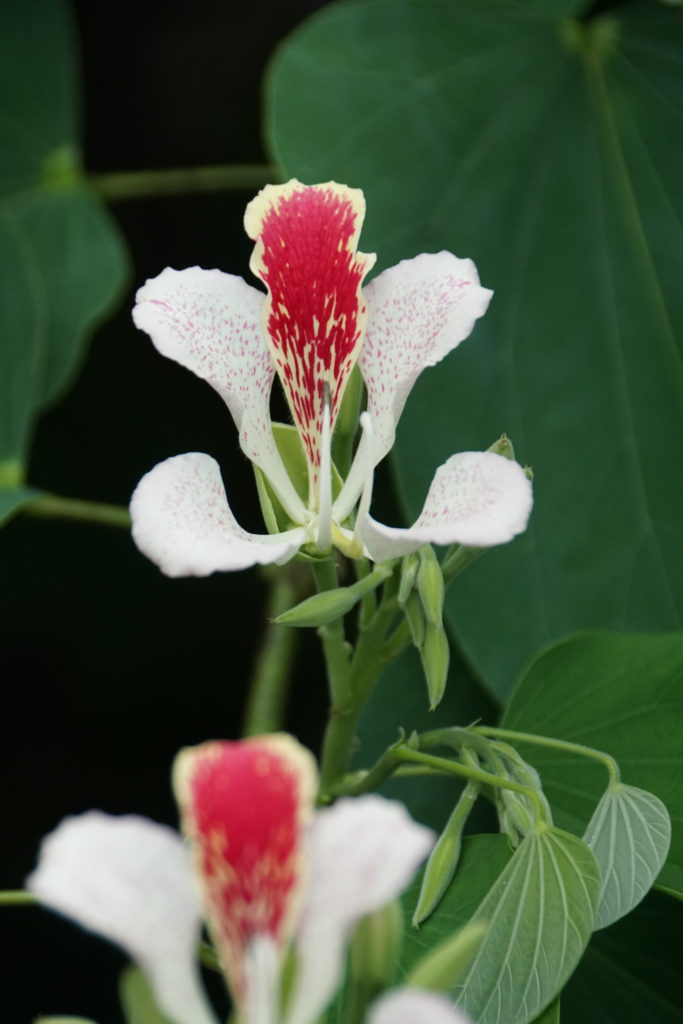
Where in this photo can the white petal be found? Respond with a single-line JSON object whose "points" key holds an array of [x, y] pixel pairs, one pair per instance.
{"points": [[262, 975], [129, 880], [363, 852], [183, 523], [211, 323], [415, 1006], [418, 312], [476, 498]]}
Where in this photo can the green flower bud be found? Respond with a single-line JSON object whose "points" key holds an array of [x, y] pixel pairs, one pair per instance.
{"points": [[409, 567], [444, 858], [441, 968], [320, 609], [435, 657], [503, 446], [376, 946], [416, 619], [430, 586]]}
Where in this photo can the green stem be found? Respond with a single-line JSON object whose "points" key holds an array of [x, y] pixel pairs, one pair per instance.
{"points": [[341, 724], [469, 772], [268, 687], [52, 506], [16, 898], [554, 744], [182, 180]]}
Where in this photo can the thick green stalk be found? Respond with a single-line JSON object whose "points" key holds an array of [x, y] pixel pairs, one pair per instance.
{"points": [[270, 679], [338, 739]]}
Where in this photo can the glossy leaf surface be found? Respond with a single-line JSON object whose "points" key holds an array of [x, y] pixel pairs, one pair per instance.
{"points": [[549, 151], [620, 694]]}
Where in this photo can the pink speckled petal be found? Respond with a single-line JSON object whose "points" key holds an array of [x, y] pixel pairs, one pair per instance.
{"points": [[476, 498], [363, 853], [418, 311], [183, 523], [415, 1006], [129, 879], [212, 323]]}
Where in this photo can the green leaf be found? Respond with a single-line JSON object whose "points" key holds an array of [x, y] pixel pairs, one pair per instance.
{"points": [[630, 834], [551, 1014], [549, 152], [620, 694], [539, 905], [541, 912], [62, 264], [137, 1000], [632, 971]]}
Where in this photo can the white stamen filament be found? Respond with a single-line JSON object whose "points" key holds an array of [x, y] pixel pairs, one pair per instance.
{"points": [[325, 478], [368, 476]]}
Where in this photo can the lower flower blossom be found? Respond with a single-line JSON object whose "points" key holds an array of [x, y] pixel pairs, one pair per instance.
{"points": [[272, 879], [315, 324]]}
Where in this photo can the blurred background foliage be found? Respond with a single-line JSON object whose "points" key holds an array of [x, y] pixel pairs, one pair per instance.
{"points": [[547, 149]]}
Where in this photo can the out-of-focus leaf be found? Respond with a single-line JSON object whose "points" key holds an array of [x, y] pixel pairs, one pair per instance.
{"points": [[549, 151], [620, 694], [62, 264]]}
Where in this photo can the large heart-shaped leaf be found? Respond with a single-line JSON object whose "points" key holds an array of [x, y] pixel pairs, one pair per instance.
{"points": [[620, 694], [62, 263], [549, 151]]}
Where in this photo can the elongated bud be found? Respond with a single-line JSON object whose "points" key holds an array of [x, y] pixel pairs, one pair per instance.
{"points": [[376, 946], [320, 609], [441, 968], [518, 813], [409, 567], [415, 615], [435, 656], [503, 446], [430, 586], [444, 858]]}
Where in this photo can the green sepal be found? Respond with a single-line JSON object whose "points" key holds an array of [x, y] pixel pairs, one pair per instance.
{"points": [[415, 617], [430, 586], [503, 446], [435, 657], [444, 965], [444, 858], [409, 566]]}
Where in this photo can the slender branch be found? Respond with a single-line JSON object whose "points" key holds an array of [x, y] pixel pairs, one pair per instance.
{"points": [[548, 741], [183, 180], [270, 679], [469, 772], [17, 898], [52, 506]]}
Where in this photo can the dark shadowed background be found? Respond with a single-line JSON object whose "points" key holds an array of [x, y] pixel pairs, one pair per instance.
{"points": [[108, 667]]}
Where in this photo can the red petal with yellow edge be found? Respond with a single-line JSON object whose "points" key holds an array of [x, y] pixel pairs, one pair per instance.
{"points": [[305, 253], [243, 806]]}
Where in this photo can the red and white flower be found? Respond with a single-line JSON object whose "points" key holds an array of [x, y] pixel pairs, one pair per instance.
{"points": [[271, 878], [312, 327]]}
